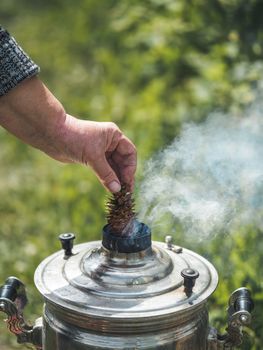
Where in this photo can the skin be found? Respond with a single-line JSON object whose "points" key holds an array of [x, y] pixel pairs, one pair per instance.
{"points": [[35, 116]]}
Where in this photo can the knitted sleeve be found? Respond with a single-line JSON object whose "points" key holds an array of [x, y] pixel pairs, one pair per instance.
{"points": [[15, 65]]}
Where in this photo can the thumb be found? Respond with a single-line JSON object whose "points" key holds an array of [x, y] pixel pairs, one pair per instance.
{"points": [[106, 175]]}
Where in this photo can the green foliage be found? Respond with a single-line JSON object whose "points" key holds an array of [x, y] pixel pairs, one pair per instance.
{"points": [[149, 66]]}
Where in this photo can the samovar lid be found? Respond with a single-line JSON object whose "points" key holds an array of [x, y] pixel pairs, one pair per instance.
{"points": [[95, 282]]}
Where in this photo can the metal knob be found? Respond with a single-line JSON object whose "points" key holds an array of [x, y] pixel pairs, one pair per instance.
{"points": [[190, 276], [66, 240], [169, 241]]}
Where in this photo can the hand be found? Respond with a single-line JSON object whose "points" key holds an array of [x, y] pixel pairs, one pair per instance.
{"points": [[34, 115], [102, 146]]}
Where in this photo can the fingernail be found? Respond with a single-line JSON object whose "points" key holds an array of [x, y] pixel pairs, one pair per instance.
{"points": [[114, 186]]}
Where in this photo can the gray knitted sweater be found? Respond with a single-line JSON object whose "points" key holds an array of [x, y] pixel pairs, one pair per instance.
{"points": [[15, 65]]}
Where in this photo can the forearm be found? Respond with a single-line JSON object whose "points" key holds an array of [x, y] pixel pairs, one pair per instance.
{"points": [[29, 111], [33, 114]]}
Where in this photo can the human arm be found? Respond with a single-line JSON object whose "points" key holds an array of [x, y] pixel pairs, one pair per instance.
{"points": [[34, 115], [30, 111]]}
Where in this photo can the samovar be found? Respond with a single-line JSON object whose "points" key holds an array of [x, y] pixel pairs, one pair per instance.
{"points": [[124, 293]]}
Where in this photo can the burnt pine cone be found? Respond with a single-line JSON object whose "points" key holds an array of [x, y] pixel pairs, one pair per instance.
{"points": [[120, 212]]}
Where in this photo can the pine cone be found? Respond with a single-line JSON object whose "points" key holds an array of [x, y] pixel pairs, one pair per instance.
{"points": [[120, 212]]}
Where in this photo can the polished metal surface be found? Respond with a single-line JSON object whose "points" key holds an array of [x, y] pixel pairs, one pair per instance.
{"points": [[98, 299], [189, 335], [127, 285]]}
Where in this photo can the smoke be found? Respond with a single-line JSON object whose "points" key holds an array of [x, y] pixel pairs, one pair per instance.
{"points": [[210, 179]]}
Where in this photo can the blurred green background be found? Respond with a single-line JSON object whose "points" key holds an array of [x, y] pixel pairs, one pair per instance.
{"points": [[149, 66]]}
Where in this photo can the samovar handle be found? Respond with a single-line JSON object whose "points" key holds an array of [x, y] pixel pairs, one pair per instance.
{"points": [[239, 310], [13, 299], [239, 315]]}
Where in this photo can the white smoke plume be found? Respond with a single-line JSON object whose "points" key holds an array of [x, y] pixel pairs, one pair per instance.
{"points": [[210, 179]]}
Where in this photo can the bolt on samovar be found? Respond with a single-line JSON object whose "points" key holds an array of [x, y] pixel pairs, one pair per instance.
{"points": [[125, 292]]}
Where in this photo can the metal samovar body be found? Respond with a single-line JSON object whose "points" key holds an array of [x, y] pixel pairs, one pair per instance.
{"points": [[123, 301], [126, 293]]}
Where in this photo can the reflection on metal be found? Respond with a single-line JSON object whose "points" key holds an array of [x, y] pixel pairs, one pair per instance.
{"points": [[152, 299], [103, 299]]}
